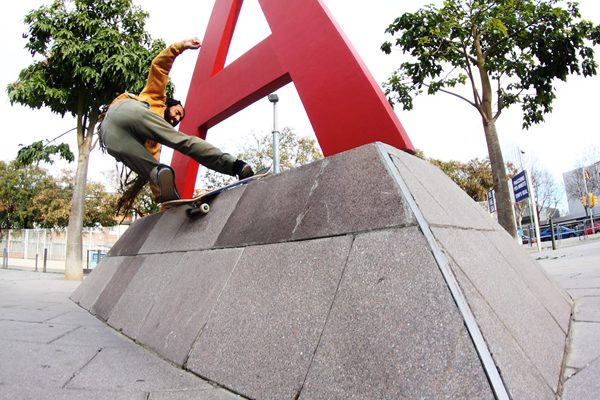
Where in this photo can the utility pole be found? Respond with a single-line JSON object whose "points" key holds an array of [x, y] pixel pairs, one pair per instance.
{"points": [[273, 98], [586, 175]]}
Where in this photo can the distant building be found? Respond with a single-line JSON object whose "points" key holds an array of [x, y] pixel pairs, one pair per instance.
{"points": [[575, 188]]}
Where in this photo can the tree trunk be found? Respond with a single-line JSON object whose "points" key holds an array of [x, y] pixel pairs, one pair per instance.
{"points": [[74, 260], [504, 204]]}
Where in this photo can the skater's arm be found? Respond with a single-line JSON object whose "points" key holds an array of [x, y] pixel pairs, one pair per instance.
{"points": [[155, 90]]}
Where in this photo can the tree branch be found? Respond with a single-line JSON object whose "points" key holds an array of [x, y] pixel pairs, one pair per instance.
{"points": [[455, 95]]}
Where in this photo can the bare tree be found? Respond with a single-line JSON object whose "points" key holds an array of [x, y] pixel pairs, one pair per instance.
{"points": [[545, 189], [574, 184]]}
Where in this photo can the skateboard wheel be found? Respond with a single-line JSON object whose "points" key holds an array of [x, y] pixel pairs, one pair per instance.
{"points": [[201, 209], [204, 208]]}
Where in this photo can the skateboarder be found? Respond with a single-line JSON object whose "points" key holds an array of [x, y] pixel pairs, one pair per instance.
{"points": [[135, 127]]}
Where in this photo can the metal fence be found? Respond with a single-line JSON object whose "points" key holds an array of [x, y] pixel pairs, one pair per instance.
{"points": [[46, 248]]}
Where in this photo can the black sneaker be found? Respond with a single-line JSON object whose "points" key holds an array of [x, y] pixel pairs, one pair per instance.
{"points": [[165, 179], [246, 172], [242, 170]]}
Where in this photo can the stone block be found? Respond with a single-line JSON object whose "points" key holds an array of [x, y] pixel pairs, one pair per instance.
{"points": [[115, 287], [135, 236], [261, 336], [353, 192], [510, 298], [439, 199], [520, 375], [334, 196], [134, 304], [182, 308], [269, 208], [181, 233], [88, 291], [541, 285], [394, 330]]}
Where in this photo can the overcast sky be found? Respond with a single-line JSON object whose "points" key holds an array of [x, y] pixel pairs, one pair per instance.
{"points": [[442, 126]]}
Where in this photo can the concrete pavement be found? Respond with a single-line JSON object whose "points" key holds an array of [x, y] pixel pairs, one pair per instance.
{"points": [[576, 268], [52, 349]]}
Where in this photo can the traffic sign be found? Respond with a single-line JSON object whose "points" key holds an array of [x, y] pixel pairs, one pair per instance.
{"points": [[520, 186], [491, 195]]}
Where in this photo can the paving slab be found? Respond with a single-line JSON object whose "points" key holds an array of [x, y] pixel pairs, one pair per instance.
{"points": [[394, 330], [261, 336], [39, 364], [207, 394], [42, 360], [27, 314], [104, 336], [20, 392], [75, 317], [134, 369], [586, 336], [585, 385], [32, 331], [577, 294], [588, 309]]}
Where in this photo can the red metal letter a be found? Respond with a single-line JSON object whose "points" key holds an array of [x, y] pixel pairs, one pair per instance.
{"points": [[343, 102]]}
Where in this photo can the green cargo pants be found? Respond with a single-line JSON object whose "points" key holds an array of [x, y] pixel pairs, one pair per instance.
{"points": [[129, 123]]}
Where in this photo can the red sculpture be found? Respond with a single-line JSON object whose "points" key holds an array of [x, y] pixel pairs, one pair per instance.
{"points": [[343, 102]]}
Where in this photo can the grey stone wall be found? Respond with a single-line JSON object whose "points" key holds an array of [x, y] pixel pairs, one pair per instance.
{"points": [[368, 274]]}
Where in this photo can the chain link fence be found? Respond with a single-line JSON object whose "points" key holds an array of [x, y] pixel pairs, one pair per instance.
{"points": [[45, 249]]}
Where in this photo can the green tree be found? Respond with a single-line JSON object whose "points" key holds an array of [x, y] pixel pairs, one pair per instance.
{"points": [[54, 202], [294, 151], [18, 187], [86, 52], [506, 52], [32, 198], [474, 176]]}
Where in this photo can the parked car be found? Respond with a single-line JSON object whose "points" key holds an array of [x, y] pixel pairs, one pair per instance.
{"points": [[588, 228], [560, 232], [525, 239]]}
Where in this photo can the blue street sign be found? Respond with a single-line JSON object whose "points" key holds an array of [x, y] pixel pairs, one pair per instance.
{"points": [[491, 195], [520, 186]]}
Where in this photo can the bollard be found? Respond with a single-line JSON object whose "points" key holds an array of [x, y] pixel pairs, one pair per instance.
{"points": [[36, 261], [5, 258], [552, 234], [45, 260]]}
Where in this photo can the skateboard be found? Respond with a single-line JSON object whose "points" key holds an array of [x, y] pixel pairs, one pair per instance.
{"points": [[199, 204]]}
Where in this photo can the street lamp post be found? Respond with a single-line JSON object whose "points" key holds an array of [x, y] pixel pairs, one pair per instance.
{"points": [[273, 98]]}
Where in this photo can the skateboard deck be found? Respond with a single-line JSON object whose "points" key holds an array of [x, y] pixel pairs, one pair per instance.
{"points": [[199, 204]]}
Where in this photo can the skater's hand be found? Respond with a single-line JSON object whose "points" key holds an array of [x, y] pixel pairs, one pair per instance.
{"points": [[193, 43]]}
